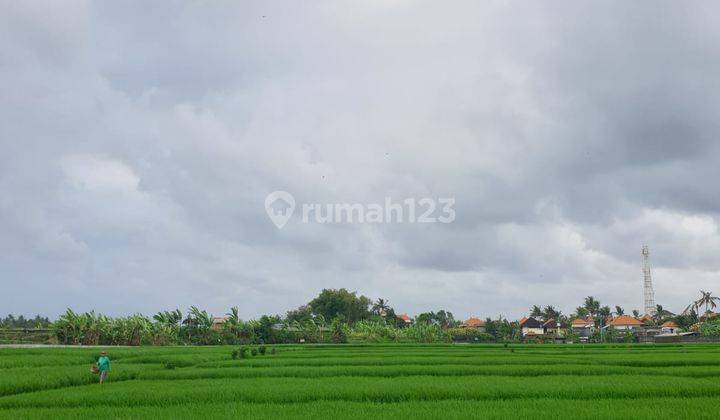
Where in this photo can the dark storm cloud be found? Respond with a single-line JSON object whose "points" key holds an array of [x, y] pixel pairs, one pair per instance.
{"points": [[139, 142]]}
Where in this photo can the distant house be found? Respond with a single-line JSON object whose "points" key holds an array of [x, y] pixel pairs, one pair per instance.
{"points": [[708, 316], [405, 318], [583, 328], [531, 327], [475, 323], [646, 319], [670, 327], [625, 323], [217, 322], [550, 327]]}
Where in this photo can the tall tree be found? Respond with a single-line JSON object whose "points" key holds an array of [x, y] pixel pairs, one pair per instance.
{"points": [[592, 306], [581, 312], [302, 314], [332, 303], [536, 312], [441, 318], [707, 300], [604, 312], [445, 319], [619, 310], [380, 307], [661, 314], [549, 312]]}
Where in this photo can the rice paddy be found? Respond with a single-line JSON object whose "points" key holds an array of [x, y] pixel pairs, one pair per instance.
{"points": [[361, 381]]}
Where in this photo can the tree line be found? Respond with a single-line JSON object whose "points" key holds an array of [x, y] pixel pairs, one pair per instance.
{"points": [[335, 315], [592, 309], [20, 322]]}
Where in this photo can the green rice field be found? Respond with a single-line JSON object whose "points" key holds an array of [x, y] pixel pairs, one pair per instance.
{"points": [[367, 381]]}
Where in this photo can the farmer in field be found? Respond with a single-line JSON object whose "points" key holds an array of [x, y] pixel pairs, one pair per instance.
{"points": [[103, 365]]}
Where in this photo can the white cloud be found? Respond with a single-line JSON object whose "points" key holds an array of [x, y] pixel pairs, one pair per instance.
{"points": [[136, 156], [97, 173]]}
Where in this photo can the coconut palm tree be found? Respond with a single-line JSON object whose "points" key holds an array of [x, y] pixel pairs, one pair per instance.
{"points": [[592, 306], [619, 310], [380, 307], [549, 312], [660, 314], [536, 312], [581, 312], [707, 300]]}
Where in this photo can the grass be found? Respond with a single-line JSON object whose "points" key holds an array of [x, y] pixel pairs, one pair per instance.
{"points": [[361, 381]]}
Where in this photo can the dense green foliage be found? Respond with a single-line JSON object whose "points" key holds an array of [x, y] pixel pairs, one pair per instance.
{"points": [[711, 328], [337, 316], [20, 321], [357, 381], [331, 304]]}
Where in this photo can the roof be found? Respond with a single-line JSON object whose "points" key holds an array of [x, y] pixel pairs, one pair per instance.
{"points": [[670, 324], [550, 323], [580, 322], [522, 320], [645, 318], [219, 319], [404, 317], [474, 323], [708, 315], [625, 320], [531, 323]]}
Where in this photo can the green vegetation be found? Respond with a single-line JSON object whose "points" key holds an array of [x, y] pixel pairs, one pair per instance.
{"points": [[355, 381], [710, 328], [338, 316]]}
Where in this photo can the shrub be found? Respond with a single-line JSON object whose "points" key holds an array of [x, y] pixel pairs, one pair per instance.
{"points": [[710, 328], [339, 331], [272, 350], [241, 353], [170, 365], [262, 350], [470, 335], [254, 351], [630, 337]]}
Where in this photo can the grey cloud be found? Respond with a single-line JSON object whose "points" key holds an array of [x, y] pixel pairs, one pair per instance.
{"points": [[139, 142]]}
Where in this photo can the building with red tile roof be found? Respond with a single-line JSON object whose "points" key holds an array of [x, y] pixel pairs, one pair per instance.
{"points": [[583, 328], [670, 327], [625, 322], [474, 323]]}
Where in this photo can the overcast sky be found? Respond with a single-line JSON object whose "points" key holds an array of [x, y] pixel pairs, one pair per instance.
{"points": [[140, 139]]}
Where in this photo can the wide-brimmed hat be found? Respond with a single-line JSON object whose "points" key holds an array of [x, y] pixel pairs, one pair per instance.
{"points": [[103, 352]]}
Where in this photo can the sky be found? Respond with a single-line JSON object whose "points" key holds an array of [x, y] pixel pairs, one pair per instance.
{"points": [[138, 142]]}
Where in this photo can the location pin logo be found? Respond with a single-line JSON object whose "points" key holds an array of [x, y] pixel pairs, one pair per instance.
{"points": [[279, 206]]}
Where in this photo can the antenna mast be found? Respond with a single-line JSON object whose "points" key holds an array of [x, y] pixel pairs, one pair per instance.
{"points": [[648, 287]]}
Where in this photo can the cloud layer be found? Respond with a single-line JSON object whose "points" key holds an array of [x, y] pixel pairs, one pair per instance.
{"points": [[139, 143]]}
